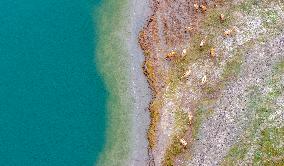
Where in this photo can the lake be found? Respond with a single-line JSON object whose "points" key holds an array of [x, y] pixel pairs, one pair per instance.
{"points": [[52, 99]]}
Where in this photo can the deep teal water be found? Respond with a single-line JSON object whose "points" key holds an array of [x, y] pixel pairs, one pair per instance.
{"points": [[52, 100]]}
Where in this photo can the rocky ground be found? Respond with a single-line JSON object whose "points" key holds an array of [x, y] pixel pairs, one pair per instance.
{"points": [[216, 73]]}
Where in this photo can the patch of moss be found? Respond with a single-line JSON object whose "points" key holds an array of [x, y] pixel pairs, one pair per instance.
{"points": [[173, 150], [270, 18], [270, 151], [213, 23], [149, 67], [197, 121], [181, 122], [155, 118], [147, 53], [209, 113], [277, 88], [236, 154], [271, 15], [232, 68], [279, 68], [210, 90], [247, 5]]}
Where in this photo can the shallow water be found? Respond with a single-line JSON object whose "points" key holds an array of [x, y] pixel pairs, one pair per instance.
{"points": [[52, 100], [112, 18]]}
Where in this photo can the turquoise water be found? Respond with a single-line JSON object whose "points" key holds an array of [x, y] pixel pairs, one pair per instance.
{"points": [[52, 100]]}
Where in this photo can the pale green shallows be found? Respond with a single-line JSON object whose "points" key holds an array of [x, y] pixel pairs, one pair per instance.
{"points": [[113, 63]]}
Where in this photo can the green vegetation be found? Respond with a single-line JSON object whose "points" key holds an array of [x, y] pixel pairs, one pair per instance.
{"points": [[173, 150], [198, 117], [247, 6], [155, 118], [181, 122], [236, 154], [181, 126], [271, 19], [264, 139], [209, 27], [270, 151], [279, 68], [212, 27], [232, 67], [271, 15], [212, 22], [210, 90]]}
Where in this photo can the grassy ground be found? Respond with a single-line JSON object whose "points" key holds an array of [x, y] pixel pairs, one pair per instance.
{"points": [[182, 122], [263, 141], [155, 118], [213, 29]]}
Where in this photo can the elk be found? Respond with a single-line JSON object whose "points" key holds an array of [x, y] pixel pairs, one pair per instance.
{"points": [[212, 52], [222, 17], [172, 55], [203, 41], [203, 8], [195, 7], [204, 79], [183, 142], [228, 32]]}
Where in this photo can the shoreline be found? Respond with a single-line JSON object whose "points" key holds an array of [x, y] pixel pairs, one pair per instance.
{"points": [[140, 88], [166, 136], [129, 93]]}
